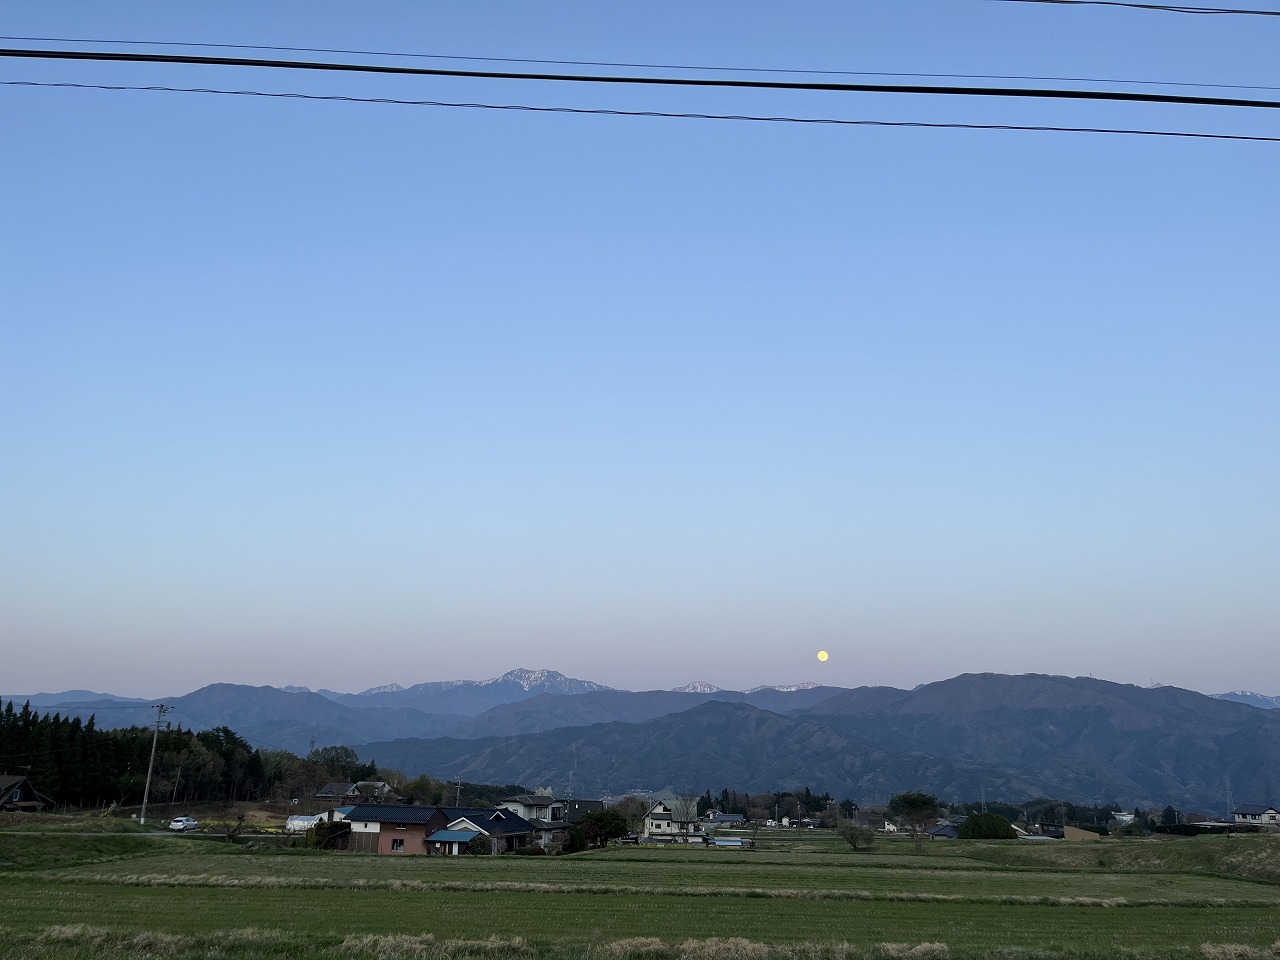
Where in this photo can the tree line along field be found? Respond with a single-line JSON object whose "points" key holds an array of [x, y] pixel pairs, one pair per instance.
{"points": [[68, 894]]}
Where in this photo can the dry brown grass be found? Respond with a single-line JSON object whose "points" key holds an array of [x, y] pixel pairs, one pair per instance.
{"points": [[918, 951], [607, 889], [399, 945], [726, 948], [634, 947], [144, 943], [1239, 951]]}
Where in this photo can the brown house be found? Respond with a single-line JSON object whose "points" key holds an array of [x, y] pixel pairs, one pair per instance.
{"points": [[397, 828]]}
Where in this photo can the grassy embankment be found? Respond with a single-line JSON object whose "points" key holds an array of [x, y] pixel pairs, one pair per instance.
{"points": [[103, 897]]}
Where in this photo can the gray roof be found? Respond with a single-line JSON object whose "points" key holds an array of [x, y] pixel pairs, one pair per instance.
{"points": [[1253, 808], [390, 813], [334, 790], [491, 819]]}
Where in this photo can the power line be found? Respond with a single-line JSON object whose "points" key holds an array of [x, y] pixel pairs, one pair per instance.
{"points": [[1166, 8], [647, 113], [325, 66], [639, 66]]}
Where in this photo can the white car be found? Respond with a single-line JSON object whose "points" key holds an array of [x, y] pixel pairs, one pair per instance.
{"points": [[183, 824]]}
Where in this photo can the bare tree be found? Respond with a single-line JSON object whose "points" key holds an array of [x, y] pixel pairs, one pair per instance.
{"points": [[684, 813], [634, 809]]}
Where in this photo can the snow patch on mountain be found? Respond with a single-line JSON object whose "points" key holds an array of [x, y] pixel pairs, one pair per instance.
{"points": [[385, 688], [698, 686], [551, 681], [787, 688]]}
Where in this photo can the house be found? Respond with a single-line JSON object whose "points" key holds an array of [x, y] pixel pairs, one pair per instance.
{"points": [[453, 840], [336, 791], [400, 828], [947, 829], [1256, 815], [545, 812], [506, 830], [389, 828], [365, 791], [535, 806], [379, 791], [672, 822], [17, 793], [714, 819]]}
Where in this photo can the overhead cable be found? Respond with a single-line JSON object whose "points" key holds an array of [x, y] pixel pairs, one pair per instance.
{"points": [[328, 66], [640, 66], [1164, 7], [650, 113]]}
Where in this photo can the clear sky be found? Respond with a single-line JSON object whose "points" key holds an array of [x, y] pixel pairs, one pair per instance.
{"points": [[341, 394]]}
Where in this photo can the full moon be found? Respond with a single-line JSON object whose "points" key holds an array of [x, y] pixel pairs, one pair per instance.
{"points": [[822, 655]]}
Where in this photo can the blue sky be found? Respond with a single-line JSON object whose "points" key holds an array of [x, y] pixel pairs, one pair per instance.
{"points": [[343, 394]]}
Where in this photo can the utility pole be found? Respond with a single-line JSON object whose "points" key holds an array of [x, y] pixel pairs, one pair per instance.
{"points": [[161, 709]]}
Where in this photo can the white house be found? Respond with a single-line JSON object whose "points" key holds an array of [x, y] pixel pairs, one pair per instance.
{"points": [[673, 821], [1257, 815]]}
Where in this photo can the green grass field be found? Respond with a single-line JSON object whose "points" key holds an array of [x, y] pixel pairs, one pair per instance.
{"points": [[109, 896]]}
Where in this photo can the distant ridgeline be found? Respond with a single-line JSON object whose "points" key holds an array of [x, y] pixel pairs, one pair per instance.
{"points": [[1081, 740]]}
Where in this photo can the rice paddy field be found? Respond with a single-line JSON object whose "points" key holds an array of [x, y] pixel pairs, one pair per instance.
{"points": [[80, 895]]}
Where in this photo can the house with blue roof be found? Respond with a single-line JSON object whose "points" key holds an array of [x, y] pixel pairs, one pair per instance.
{"points": [[399, 828]]}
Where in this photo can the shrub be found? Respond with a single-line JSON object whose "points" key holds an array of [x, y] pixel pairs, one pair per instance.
{"points": [[986, 826], [857, 836]]}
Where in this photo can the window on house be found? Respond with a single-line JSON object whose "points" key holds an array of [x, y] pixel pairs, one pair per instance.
{"points": [[401, 826], [397, 846]]}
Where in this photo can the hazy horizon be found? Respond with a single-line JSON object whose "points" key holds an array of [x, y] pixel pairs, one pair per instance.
{"points": [[5, 696]]}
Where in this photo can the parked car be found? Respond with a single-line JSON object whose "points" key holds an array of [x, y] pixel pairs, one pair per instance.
{"points": [[184, 824]]}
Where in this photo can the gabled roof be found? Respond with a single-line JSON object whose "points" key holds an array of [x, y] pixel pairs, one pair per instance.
{"points": [[727, 818], [335, 789], [390, 813], [453, 836], [492, 820], [1253, 809], [533, 800], [14, 796]]}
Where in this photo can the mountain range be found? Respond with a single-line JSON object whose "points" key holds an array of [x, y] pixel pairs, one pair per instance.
{"points": [[1012, 737]]}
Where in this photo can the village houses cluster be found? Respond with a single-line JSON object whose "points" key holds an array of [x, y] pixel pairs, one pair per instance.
{"points": [[376, 820], [378, 823]]}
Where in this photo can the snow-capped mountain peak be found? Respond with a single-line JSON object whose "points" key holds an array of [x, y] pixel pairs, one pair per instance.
{"points": [[552, 681], [698, 686], [787, 687], [385, 688]]}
